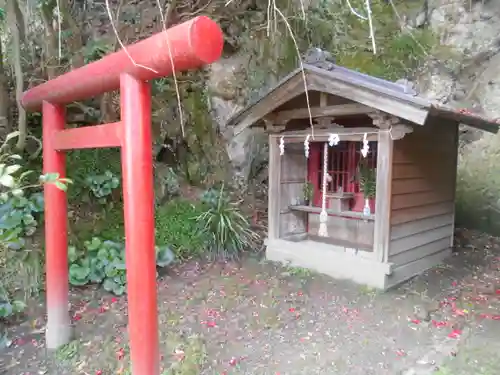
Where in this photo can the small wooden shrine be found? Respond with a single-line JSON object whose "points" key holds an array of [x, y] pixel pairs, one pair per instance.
{"points": [[366, 192]]}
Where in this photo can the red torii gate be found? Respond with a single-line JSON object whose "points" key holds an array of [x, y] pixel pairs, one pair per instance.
{"points": [[186, 46]]}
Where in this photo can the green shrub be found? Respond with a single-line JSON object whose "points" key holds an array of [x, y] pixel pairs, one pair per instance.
{"points": [[171, 182], [211, 197], [10, 308], [110, 226], [226, 231], [21, 210], [167, 184], [176, 225], [103, 262], [84, 163], [19, 218], [102, 186]]}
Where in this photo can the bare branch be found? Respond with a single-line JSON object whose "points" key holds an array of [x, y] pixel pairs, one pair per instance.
{"points": [[353, 11], [110, 16], [301, 67], [177, 91], [370, 22], [59, 34]]}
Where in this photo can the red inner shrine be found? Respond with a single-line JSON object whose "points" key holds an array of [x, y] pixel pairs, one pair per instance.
{"points": [[343, 161]]}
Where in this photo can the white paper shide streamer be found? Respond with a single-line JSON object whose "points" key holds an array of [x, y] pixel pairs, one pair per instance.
{"points": [[366, 147], [306, 146], [333, 140], [323, 216]]}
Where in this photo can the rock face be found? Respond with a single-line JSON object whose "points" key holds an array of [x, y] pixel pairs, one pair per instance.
{"points": [[226, 86], [469, 78], [466, 74]]}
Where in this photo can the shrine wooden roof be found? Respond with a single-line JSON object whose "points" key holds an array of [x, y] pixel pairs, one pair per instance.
{"points": [[390, 97]]}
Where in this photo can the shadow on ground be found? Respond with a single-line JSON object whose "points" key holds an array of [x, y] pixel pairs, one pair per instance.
{"points": [[259, 318]]}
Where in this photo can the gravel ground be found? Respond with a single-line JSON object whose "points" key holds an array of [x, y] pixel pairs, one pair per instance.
{"points": [[260, 318]]}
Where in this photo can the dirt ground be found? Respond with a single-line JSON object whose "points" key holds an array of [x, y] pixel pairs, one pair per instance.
{"points": [[260, 318]]}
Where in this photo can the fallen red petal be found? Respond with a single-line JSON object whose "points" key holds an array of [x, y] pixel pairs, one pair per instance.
{"points": [[209, 323], [233, 361], [459, 312], [120, 353], [400, 353], [179, 355], [455, 334], [19, 342], [415, 321], [439, 324]]}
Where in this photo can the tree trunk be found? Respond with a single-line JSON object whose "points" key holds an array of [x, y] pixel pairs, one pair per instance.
{"points": [[46, 11], [4, 100], [16, 22], [75, 41]]}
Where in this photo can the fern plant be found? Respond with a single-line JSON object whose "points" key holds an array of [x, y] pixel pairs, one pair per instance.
{"points": [[367, 178], [226, 230]]}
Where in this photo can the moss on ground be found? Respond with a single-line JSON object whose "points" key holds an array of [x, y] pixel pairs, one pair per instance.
{"points": [[176, 227]]}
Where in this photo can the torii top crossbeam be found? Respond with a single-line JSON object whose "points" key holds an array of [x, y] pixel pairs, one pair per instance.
{"points": [[189, 45]]}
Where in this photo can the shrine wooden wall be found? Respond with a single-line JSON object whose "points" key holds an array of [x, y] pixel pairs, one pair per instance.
{"points": [[293, 171], [423, 192], [347, 232]]}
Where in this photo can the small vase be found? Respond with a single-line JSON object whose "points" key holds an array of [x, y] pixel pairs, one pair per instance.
{"points": [[366, 210]]}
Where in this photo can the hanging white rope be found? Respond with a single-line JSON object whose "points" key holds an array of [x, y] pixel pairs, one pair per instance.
{"points": [[323, 216]]}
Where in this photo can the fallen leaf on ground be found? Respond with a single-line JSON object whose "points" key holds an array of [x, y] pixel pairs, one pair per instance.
{"points": [[439, 324], [455, 334]]}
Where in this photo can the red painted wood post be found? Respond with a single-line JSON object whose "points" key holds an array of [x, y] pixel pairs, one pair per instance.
{"points": [[137, 170], [189, 45], [56, 234]]}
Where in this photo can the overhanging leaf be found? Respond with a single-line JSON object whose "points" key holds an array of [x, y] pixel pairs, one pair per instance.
{"points": [[7, 181]]}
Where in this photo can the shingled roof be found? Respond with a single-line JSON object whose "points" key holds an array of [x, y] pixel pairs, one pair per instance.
{"points": [[395, 98]]}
